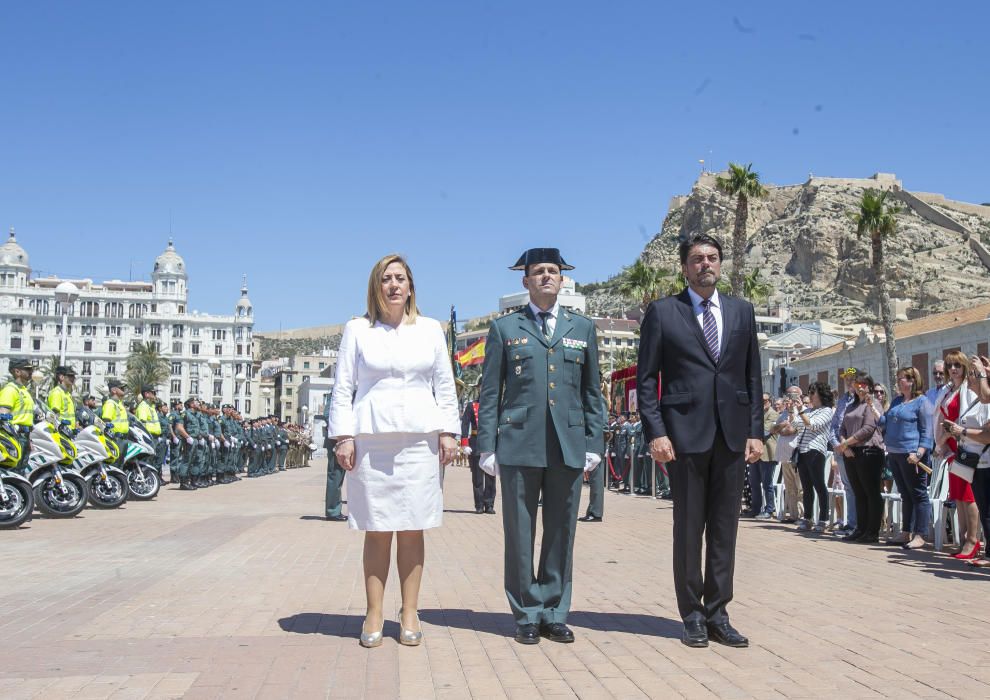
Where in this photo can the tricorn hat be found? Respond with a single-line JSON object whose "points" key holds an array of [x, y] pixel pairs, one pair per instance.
{"points": [[22, 363], [116, 384], [534, 256]]}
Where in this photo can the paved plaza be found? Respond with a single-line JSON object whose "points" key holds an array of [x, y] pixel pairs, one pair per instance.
{"points": [[244, 591]]}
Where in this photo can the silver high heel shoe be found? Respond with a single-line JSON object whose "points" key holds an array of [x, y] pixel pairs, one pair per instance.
{"points": [[408, 637], [370, 640]]}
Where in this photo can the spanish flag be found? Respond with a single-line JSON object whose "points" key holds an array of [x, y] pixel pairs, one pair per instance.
{"points": [[474, 354]]}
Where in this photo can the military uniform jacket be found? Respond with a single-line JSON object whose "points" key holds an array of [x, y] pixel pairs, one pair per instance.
{"points": [[469, 425], [528, 380], [190, 423]]}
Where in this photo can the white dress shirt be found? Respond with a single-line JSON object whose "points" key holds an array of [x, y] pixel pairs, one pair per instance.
{"points": [[551, 321], [393, 380], [716, 307]]}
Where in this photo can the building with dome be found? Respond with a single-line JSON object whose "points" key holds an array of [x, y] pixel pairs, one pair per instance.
{"points": [[209, 354]]}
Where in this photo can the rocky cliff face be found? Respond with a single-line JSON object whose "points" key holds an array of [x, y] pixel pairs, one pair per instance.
{"points": [[802, 239]]}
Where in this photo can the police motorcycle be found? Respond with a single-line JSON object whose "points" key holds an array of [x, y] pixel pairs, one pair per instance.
{"points": [[16, 494], [59, 490], [95, 456], [144, 480]]}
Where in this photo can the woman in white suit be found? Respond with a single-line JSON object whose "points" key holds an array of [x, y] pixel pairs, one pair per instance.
{"points": [[394, 416]]}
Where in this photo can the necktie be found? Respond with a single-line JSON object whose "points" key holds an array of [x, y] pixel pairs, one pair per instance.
{"points": [[544, 317], [709, 327]]}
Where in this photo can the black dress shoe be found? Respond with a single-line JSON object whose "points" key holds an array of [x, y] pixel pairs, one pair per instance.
{"points": [[490, 510], [589, 519], [724, 633], [694, 634], [337, 518], [528, 634], [868, 539], [556, 632], [852, 536], [479, 510]]}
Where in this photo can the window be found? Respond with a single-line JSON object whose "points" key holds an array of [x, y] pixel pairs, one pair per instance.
{"points": [[136, 310], [194, 332], [156, 330], [194, 348], [247, 405], [112, 367], [87, 330], [15, 343], [112, 346], [218, 349], [323, 365], [177, 330], [177, 347], [606, 340], [154, 308], [219, 335], [87, 367], [193, 387], [288, 378], [85, 386], [89, 308], [288, 406], [113, 309], [176, 368], [237, 404], [40, 306], [37, 327], [138, 329], [218, 388], [176, 387], [155, 345], [113, 331], [305, 365], [36, 343], [135, 345], [218, 371], [87, 346], [240, 349], [182, 308], [16, 325], [288, 391]]}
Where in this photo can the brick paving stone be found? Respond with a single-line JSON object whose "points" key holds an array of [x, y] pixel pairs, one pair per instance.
{"points": [[242, 591]]}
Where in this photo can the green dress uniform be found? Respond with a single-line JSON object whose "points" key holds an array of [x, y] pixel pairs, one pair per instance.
{"points": [[281, 447], [596, 483], [541, 411]]}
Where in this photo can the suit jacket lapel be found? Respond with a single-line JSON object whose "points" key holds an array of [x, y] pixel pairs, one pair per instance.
{"points": [[564, 324], [728, 324], [531, 325], [687, 311]]}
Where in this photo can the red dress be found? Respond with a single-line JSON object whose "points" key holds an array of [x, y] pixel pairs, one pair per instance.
{"points": [[959, 489]]}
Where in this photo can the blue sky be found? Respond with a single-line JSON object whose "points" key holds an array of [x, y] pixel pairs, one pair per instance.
{"points": [[298, 142]]}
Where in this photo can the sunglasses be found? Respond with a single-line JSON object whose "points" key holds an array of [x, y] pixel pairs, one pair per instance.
{"points": [[952, 365], [879, 392]]}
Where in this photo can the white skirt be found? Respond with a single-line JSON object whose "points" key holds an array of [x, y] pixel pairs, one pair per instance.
{"points": [[396, 483]]}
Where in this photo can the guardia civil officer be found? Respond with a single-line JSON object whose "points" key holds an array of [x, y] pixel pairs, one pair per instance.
{"points": [[60, 397], [540, 422]]}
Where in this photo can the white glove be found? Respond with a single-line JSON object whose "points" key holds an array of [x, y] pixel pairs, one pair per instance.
{"points": [[175, 441], [591, 460], [467, 451], [202, 442], [226, 444], [190, 441], [488, 463]]}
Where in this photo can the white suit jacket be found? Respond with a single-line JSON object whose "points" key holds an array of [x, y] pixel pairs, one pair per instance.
{"points": [[393, 380]]}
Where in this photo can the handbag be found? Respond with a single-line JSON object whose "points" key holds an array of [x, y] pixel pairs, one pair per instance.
{"points": [[968, 458]]}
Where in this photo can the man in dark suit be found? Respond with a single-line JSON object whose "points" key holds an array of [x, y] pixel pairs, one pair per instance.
{"points": [[540, 422], [482, 482], [706, 425]]}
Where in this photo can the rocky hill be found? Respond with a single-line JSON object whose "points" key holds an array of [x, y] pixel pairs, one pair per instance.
{"points": [[803, 241]]}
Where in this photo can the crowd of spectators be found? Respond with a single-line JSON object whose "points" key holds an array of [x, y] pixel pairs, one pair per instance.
{"points": [[874, 442]]}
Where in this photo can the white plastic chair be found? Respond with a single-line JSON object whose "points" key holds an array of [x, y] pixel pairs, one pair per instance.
{"points": [[938, 493], [892, 507]]}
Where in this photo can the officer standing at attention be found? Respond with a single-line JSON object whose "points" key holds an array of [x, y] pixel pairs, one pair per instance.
{"points": [[176, 448], [17, 404], [540, 418], [281, 445], [165, 439], [483, 483], [195, 442], [147, 415], [596, 483], [114, 414], [86, 413], [335, 474], [60, 397]]}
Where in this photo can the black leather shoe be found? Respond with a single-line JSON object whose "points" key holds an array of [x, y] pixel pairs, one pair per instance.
{"points": [[556, 632], [479, 510], [726, 634], [528, 634], [490, 510], [337, 518], [852, 536], [867, 538], [694, 634], [589, 519]]}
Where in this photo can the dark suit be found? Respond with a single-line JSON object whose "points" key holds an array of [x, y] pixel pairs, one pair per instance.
{"points": [[482, 483], [541, 411], [708, 410]]}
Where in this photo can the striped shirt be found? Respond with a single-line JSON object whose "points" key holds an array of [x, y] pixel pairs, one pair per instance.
{"points": [[814, 436]]}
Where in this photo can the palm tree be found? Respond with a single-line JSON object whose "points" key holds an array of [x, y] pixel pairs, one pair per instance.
{"points": [[145, 366], [48, 372], [877, 219], [755, 289], [643, 283], [742, 183]]}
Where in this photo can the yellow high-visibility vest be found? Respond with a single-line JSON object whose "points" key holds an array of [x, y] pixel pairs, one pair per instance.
{"points": [[148, 416], [20, 402], [115, 413], [60, 401]]}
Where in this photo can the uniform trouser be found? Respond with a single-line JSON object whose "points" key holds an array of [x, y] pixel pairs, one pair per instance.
{"points": [[271, 458], [642, 478], [850, 493], [482, 483], [792, 488], [161, 448], [545, 597], [662, 481], [706, 487], [254, 461], [596, 490], [335, 480], [280, 454], [196, 460], [25, 442]]}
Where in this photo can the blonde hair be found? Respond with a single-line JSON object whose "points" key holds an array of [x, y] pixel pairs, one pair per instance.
{"points": [[917, 381], [376, 299], [961, 358]]}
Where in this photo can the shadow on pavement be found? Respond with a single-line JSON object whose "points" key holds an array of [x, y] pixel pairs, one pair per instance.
{"points": [[331, 625], [503, 623]]}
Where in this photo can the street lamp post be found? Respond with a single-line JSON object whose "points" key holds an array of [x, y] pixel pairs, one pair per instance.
{"points": [[66, 294]]}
